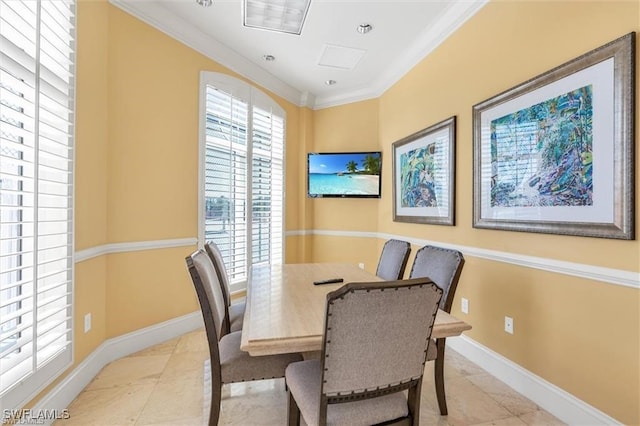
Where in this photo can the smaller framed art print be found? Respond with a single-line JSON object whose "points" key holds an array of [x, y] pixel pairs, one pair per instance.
{"points": [[424, 175], [555, 154]]}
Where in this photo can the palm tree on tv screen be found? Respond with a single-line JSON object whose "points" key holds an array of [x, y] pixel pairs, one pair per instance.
{"points": [[352, 166], [372, 164]]}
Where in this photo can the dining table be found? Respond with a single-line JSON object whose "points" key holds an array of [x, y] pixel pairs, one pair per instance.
{"points": [[285, 310]]}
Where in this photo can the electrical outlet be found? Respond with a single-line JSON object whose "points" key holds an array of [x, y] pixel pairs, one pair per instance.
{"points": [[508, 325], [464, 305], [87, 323], [361, 265]]}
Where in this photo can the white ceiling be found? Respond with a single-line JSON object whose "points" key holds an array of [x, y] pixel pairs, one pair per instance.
{"points": [[329, 48]]}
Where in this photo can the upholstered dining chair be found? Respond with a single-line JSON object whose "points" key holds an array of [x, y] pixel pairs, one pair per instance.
{"points": [[393, 260], [444, 267], [376, 337], [234, 311], [228, 363]]}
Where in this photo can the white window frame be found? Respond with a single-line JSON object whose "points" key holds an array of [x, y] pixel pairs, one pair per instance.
{"points": [[41, 54], [254, 98]]}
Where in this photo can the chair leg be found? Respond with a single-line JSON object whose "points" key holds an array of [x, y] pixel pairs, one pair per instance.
{"points": [[438, 375], [413, 401], [214, 411], [293, 412]]}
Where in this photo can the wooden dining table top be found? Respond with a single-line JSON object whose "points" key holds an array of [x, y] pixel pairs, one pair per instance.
{"points": [[285, 310]]}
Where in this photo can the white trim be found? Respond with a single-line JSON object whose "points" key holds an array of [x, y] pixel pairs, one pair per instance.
{"points": [[551, 398], [597, 273], [254, 97], [202, 148], [591, 272], [556, 401], [86, 254], [70, 387], [353, 234], [157, 16], [444, 26]]}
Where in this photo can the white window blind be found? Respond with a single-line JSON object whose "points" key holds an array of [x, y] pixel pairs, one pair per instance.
{"points": [[267, 187], [243, 174], [37, 66]]}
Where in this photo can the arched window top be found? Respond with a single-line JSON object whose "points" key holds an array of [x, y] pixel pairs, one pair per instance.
{"points": [[240, 89]]}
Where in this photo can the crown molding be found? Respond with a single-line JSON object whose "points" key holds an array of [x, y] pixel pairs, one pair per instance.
{"points": [[452, 19], [158, 17]]}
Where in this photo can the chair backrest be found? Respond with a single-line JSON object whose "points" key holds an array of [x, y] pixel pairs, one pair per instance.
{"points": [[215, 254], [443, 266], [393, 260], [376, 336], [205, 281]]}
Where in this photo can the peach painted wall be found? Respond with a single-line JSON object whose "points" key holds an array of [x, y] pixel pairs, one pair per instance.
{"points": [[136, 180], [299, 211], [92, 137], [579, 334], [136, 172], [153, 170]]}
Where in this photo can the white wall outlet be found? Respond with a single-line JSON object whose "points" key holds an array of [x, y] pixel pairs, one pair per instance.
{"points": [[464, 305], [87, 323], [361, 265], [508, 325]]}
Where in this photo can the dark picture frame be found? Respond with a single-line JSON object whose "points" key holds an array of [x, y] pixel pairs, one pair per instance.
{"points": [[424, 175], [555, 154]]}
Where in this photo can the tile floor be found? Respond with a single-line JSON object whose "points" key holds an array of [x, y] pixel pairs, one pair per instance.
{"points": [[165, 385]]}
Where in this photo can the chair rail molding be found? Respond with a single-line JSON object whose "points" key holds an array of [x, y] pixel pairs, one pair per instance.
{"points": [[591, 272], [90, 253]]}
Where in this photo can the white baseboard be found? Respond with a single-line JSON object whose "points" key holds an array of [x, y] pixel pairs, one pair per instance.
{"points": [[551, 398], [61, 396]]}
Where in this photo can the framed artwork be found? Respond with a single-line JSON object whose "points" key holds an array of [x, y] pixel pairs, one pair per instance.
{"points": [[555, 154], [424, 175]]}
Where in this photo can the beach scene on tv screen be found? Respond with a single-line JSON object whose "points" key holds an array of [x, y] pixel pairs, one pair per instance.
{"points": [[344, 174]]}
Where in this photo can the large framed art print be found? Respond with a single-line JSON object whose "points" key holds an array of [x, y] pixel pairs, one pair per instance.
{"points": [[555, 154], [424, 175]]}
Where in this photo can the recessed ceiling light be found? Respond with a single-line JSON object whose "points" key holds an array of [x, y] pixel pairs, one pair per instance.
{"points": [[330, 82], [282, 16], [205, 3], [269, 58], [364, 28]]}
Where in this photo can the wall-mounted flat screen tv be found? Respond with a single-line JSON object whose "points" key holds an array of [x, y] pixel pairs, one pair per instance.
{"points": [[344, 174]]}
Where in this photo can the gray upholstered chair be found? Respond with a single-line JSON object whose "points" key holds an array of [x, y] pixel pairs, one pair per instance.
{"points": [[229, 364], [375, 343], [234, 311], [444, 267], [393, 260]]}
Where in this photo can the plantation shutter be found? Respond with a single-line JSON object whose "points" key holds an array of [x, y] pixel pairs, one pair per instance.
{"points": [[226, 186], [243, 176], [37, 54], [267, 186]]}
